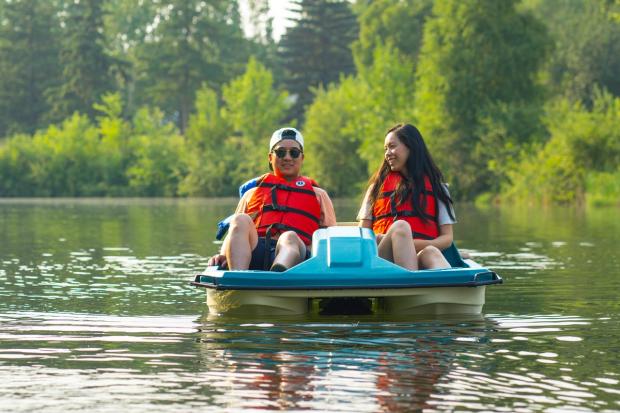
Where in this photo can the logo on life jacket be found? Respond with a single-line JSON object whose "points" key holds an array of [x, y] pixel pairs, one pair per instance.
{"points": [[300, 183]]}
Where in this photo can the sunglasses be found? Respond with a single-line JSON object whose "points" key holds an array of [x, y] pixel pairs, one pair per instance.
{"points": [[294, 152]]}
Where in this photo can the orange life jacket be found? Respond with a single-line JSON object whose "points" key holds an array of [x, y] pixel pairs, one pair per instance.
{"points": [[387, 209], [278, 205]]}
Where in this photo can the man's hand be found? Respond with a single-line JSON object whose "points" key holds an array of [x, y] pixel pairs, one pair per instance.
{"points": [[219, 260]]}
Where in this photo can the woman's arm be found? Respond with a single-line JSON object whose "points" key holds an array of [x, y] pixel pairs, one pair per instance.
{"points": [[442, 242]]}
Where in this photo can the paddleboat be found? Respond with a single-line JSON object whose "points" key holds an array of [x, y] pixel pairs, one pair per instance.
{"points": [[345, 269]]}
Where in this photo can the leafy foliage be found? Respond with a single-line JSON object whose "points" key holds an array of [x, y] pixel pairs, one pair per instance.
{"points": [[586, 34], [158, 163], [368, 104], [252, 108], [230, 144], [398, 24], [478, 58], [583, 150], [167, 98], [192, 42]]}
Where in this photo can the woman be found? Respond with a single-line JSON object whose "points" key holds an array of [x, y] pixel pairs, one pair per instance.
{"points": [[407, 204]]}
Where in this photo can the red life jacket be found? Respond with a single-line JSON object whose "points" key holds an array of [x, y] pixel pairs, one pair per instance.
{"points": [[385, 209], [278, 205]]}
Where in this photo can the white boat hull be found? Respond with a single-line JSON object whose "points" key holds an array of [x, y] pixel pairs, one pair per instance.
{"points": [[445, 300]]}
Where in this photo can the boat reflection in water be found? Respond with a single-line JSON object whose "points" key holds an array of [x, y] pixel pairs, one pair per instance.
{"points": [[345, 264], [316, 363]]}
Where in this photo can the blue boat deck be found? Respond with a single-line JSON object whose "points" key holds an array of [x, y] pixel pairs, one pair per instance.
{"points": [[346, 258]]}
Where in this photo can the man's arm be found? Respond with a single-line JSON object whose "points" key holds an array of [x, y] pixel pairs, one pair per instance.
{"points": [[328, 215]]}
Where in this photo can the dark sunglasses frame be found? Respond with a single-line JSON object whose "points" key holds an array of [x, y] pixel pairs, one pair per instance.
{"points": [[281, 152]]}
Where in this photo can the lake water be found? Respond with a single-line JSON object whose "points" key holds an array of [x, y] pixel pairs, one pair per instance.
{"points": [[96, 315]]}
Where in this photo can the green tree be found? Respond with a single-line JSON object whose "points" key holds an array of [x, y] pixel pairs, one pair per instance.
{"points": [[317, 49], [228, 145], [28, 63], [583, 147], [253, 110], [479, 59], [158, 163], [64, 160], [127, 25], [16, 157], [208, 159], [114, 145], [86, 65], [192, 42], [333, 137], [346, 124], [586, 55], [262, 43], [398, 24]]}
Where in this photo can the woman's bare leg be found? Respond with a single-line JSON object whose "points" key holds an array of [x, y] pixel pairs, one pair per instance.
{"points": [[431, 257], [397, 246]]}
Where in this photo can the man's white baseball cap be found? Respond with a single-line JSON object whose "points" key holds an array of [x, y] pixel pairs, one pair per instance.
{"points": [[286, 133]]}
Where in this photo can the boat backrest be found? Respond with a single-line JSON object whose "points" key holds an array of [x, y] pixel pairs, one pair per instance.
{"points": [[345, 246], [453, 256], [357, 247]]}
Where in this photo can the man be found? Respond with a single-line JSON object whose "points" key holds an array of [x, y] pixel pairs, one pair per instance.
{"points": [[273, 225]]}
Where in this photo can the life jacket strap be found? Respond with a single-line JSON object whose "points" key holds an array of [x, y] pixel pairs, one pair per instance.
{"points": [[397, 214], [282, 227], [388, 194], [284, 208], [286, 188]]}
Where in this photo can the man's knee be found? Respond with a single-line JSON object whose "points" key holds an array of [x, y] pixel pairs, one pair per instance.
{"points": [[289, 238], [241, 222]]}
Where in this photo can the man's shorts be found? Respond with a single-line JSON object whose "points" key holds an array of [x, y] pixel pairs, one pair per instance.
{"points": [[262, 259]]}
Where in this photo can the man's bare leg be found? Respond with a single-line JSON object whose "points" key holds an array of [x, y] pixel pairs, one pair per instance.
{"points": [[240, 242], [290, 251]]}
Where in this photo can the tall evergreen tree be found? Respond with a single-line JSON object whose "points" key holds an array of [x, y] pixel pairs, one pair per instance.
{"points": [[28, 63], [317, 49], [260, 22], [127, 24], [192, 42], [263, 45], [476, 92], [86, 65]]}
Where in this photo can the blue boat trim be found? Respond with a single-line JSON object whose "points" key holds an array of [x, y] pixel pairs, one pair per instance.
{"points": [[201, 282], [345, 258]]}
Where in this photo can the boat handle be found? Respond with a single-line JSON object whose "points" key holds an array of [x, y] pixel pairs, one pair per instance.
{"points": [[494, 276], [198, 283]]}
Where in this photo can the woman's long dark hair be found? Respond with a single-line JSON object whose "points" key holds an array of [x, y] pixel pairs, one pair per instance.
{"points": [[419, 164]]}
